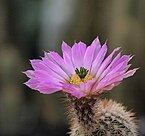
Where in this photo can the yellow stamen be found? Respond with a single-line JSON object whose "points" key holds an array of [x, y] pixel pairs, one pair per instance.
{"points": [[76, 80], [87, 77]]}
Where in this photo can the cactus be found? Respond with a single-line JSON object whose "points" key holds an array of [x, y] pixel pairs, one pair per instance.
{"points": [[93, 116], [84, 73]]}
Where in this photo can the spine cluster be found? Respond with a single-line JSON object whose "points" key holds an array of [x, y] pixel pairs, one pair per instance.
{"points": [[91, 116]]}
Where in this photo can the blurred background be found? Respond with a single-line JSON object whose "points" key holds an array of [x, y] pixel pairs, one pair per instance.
{"points": [[29, 27]]}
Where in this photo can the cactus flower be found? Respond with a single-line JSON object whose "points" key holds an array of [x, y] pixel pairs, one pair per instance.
{"points": [[82, 71]]}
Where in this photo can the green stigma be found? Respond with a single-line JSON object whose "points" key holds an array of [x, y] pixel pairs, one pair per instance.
{"points": [[82, 72]]}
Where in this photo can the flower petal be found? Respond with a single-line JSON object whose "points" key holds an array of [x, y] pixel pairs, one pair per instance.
{"points": [[29, 73], [91, 54], [57, 59], [51, 76], [32, 83], [55, 68], [87, 87], [48, 87], [124, 58], [108, 69], [67, 56], [98, 60], [38, 65], [72, 89], [78, 52], [130, 73], [109, 87], [43, 87], [114, 78], [105, 63]]}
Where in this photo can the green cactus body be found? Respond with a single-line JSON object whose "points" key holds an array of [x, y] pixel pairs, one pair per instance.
{"points": [[91, 116]]}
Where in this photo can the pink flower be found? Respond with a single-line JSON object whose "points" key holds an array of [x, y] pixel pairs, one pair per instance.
{"points": [[81, 71]]}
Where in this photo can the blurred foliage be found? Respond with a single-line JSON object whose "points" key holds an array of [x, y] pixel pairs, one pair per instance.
{"points": [[28, 27]]}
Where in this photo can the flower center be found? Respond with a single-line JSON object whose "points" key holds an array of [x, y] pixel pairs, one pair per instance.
{"points": [[80, 76], [82, 72]]}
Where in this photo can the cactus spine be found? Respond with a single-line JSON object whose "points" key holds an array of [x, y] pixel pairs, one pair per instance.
{"points": [[92, 116]]}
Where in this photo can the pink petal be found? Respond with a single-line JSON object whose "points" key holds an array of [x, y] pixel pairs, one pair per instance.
{"points": [[67, 56], [91, 53], [112, 77], [105, 63], [38, 65], [48, 87], [130, 73], [122, 66], [55, 68], [107, 82], [72, 89], [98, 60], [78, 94], [78, 52], [124, 58], [50, 76], [43, 87], [88, 86], [108, 69], [110, 87], [29, 73], [32, 83], [56, 58], [68, 87]]}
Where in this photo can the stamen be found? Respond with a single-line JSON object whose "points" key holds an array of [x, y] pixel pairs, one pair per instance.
{"points": [[80, 76], [82, 72]]}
